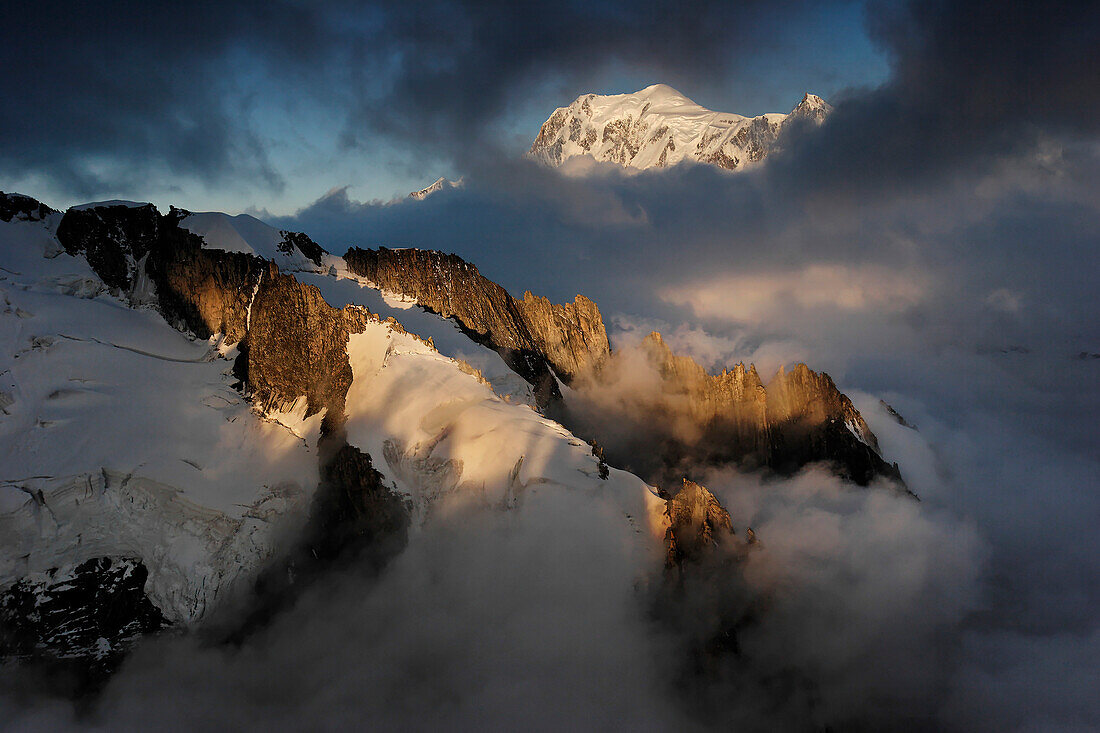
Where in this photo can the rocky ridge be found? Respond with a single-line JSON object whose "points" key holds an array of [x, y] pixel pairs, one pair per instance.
{"points": [[436, 187], [292, 345], [537, 339], [25, 208], [799, 417]]}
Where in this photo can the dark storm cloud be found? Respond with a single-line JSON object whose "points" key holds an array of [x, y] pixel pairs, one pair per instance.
{"points": [[106, 93], [462, 65], [98, 94], [971, 81]]}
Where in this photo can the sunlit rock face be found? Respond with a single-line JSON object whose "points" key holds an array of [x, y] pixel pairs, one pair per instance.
{"points": [[532, 335], [291, 341], [403, 426], [658, 127], [183, 546], [697, 523], [571, 335], [798, 417]]}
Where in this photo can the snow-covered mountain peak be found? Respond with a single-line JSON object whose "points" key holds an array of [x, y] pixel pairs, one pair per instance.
{"points": [[812, 101], [439, 185], [659, 126]]}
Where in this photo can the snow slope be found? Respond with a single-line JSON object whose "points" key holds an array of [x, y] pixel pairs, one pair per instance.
{"points": [[345, 288], [658, 127], [120, 436], [244, 233], [435, 432]]}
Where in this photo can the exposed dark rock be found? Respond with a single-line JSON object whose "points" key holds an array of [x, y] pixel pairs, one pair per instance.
{"points": [[79, 621], [293, 344], [112, 238], [297, 346], [354, 511], [896, 415], [24, 208], [601, 462], [296, 240], [356, 524], [203, 291]]}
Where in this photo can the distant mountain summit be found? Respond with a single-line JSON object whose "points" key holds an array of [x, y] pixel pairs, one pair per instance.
{"points": [[439, 185], [658, 127]]}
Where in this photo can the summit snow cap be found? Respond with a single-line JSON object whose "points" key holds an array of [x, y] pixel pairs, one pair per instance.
{"points": [[659, 126]]}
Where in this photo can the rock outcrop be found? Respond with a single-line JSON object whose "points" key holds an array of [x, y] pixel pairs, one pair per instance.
{"points": [[697, 523], [291, 345], [112, 238], [799, 417], [438, 185], [301, 242], [24, 208], [571, 336], [531, 335], [79, 620]]}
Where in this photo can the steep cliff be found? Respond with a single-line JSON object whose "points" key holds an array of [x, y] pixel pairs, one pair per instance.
{"points": [[291, 349], [532, 335], [799, 417], [697, 523], [571, 336], [292, 343]]}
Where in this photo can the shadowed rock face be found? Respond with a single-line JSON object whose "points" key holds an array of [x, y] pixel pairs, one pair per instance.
{"points": [[18, 206], [532, 335], [305, 245], [112, 238], [79, 620], [356, 524]]}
